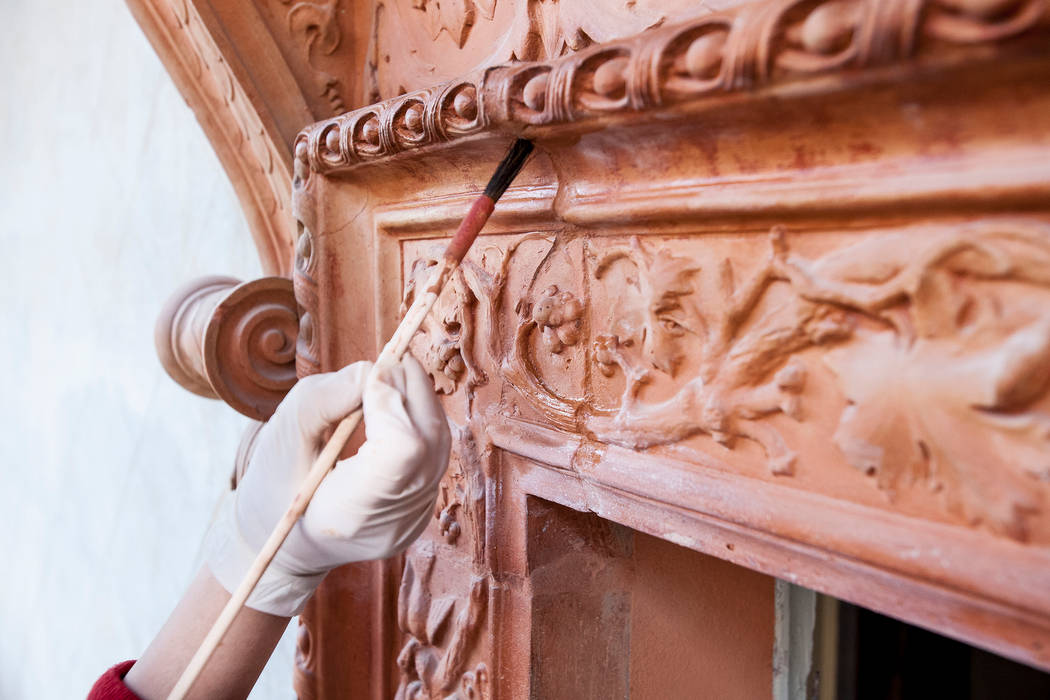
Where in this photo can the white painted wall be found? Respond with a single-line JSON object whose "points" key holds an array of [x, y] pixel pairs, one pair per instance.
{"points": [[110, 197]]}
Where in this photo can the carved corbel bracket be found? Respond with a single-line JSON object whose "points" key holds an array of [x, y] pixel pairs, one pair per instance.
{"points": [[225, 339]]}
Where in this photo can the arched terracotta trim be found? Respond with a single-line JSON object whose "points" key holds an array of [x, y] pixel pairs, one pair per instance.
{"points": [[240, 126]]}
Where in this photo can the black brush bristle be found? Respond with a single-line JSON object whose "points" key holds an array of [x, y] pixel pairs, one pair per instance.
{"points": [[508, 169]]}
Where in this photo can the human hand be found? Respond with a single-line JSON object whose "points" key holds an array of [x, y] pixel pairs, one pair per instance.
{"points": [[370, 506]]}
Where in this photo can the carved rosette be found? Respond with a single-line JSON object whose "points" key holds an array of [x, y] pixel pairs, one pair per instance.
{"points": [[234, 341]]}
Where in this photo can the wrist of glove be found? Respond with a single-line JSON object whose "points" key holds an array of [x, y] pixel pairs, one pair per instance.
{"points": [[370, 506]]}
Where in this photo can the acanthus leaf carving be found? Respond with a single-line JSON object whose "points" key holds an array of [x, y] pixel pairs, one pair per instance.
{"points": [[317, 26], [923, 331], [440, 634], [943, 398], [454, 17], [317, 23], [554, 29]]}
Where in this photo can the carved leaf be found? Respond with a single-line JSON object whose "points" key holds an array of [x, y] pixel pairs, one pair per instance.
{"points": [[487, 7], [318, 25], [923, 414], [653, 317], [440, 611], [558, 27], [453, 16], [433, 659]]}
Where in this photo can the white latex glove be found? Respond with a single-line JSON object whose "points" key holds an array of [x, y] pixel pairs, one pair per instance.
{"points": [[370, 506]]}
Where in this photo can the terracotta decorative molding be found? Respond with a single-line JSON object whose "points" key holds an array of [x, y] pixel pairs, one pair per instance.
{"points": [[767, 43], [316, 27], [224, 339], [440, 634], [307, 355], [772, 289], [241, 130], [803, 332], [892, 334]]}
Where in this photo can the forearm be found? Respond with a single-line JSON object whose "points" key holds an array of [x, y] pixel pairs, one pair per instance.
{"points": [[236, 664], [370, 506]]}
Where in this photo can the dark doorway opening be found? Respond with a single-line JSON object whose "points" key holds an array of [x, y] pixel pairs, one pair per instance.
{"points": [[880, 658]]}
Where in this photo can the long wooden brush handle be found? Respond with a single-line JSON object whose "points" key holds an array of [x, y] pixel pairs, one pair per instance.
{"points": [[321, 466], [468, 230], [391, 355]]}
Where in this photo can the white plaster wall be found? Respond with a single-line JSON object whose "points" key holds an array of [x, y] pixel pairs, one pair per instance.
{"points": [[110, 197]]}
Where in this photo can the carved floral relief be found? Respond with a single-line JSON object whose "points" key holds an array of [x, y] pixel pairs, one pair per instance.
{"points": [[441, 632], [947, 394], [674, 310], [936, 339], [442, 618], [448, 328]]}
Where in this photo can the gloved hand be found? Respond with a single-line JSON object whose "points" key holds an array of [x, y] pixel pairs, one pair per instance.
{"points": [[370, 506]]}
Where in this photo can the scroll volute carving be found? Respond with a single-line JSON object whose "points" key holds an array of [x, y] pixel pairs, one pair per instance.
{"points": [[221, 338]]}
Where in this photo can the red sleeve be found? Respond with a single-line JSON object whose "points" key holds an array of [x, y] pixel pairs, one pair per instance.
{"points": [[111, 685]]}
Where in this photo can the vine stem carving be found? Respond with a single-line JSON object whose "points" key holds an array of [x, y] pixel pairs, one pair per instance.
{"points": [[911, 325]]}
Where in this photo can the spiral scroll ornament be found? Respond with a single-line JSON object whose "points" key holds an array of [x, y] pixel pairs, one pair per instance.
{"points": [[234, 341]]}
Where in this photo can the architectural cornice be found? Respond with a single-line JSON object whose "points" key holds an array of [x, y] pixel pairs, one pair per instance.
{"points": [[763, 44]]}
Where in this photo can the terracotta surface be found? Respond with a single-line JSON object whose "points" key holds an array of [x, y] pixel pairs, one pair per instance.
{"points": [[221, 338], [615, 613], [700, 627], [773, 289]]}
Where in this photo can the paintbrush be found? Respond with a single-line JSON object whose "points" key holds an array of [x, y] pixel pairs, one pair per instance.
{"points": [[457, 248]]}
